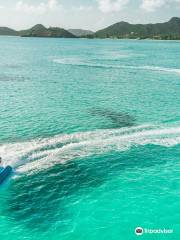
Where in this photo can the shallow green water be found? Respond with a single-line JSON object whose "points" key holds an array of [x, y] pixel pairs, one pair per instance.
{"points": [[92, 130]]}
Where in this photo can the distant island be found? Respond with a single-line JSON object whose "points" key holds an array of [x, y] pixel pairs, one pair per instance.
{"points": [[80, 32], [161, 31], [5, 31], [165, 31], [40, 31]]}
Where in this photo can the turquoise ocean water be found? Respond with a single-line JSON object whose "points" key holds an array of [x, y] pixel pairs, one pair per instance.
{"points": [[92, 129]]}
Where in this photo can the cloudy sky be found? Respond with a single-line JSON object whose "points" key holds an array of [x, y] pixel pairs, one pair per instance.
{"points": [[87, 14]]}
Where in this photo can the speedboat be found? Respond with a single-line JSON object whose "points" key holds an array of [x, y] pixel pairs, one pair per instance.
{"points": [[5, 172]]}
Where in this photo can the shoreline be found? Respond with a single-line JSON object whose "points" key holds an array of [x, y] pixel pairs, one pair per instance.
{"points": [[133, 39]]}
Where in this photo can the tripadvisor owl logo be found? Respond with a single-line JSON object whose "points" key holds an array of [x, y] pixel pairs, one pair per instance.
{"points": [[139, 231]]}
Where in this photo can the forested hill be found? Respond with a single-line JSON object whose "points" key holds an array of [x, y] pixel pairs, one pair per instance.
{"points": [[167, 30]]}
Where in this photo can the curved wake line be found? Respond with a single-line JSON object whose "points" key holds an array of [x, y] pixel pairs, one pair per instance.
{"points": [[149, 68], [44, 153], [161, 69]]}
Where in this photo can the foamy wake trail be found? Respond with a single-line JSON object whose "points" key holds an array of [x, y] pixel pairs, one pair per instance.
{"points": [[41, 154], [100, 65], [161, 69]]}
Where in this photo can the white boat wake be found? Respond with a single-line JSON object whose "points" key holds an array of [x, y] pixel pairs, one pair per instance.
{"points": [[40, 154], [81, 63]]}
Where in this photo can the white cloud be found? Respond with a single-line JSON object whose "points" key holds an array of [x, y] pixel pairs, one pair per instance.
{"points": [[41, 8], [82, 8], [107, 6], [153, 5]]}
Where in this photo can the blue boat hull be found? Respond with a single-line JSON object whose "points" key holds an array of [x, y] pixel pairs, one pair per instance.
{"points": [[5, 173]]}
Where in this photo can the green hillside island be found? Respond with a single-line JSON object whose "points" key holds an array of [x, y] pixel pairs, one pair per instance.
{"points": [[163, 31], [5, 31], [80, 32], [40, 31]]}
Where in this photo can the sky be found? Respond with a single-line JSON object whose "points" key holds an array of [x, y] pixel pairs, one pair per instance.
{"points": [[85, 14]]}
